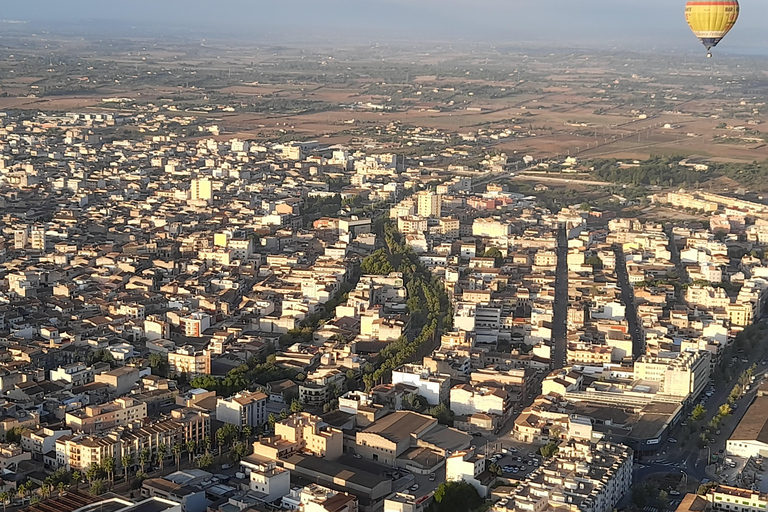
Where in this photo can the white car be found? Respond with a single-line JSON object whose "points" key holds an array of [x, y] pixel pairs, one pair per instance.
{"points": [[672, 440], [414, 487]]}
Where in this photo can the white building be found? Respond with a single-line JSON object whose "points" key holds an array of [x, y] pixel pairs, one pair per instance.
{"points": [[434, 387], [243, 409]]}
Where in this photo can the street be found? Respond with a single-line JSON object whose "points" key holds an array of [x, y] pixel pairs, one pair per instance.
{"points": [[560, 313]]}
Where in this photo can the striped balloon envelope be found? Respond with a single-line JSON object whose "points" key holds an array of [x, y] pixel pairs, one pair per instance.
{"points": [[711, 20]]}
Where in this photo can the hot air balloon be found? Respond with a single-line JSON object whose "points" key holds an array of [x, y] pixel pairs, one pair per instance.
{"points": [[711, 20]]}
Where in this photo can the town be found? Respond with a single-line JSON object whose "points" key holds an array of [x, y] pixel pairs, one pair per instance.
{"points": [[226, 324]]}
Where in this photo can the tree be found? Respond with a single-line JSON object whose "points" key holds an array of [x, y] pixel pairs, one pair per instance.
{"points": [[76, 477], [62, 487], [5, 497], [14, 435], [45, 490], [126, 462], [698, 412], [455, 497], [177, 449], [549, 450], [271, 420], [98, 487], [221, 439], [91, 473], [205, 461], [704, 488], [162, 451], [144, 457], [108, 465], [443, 414], [191, 445], [247, 432], [159, 365], [495, 469], [595, 261], [724, 410], [495, 253], [296, 406], [208, 443]]}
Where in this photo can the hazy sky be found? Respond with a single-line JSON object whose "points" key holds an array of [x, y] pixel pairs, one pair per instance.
{"points": [[629, 23]]}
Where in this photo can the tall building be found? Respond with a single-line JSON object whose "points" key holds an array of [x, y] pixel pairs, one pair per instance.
{"points": [[429, 204], [248, 408], [201, 190]]}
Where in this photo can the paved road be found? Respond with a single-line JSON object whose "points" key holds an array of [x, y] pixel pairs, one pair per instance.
{"points": [[560, 314], [628, 298]]}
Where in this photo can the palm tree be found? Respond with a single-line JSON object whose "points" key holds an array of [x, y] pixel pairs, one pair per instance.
{"points": [[144, 457], [221, 439], [45, 490], [76, 477], [108, 465], [62, 487], [126, 461], [247, 432], [191, 445], [5, 497], [161, 451], [91, 473], [177, 449], [208, 444]]}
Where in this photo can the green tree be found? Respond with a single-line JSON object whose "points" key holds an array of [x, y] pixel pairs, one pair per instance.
{"points": [[162, 451], [549, 450], [126, 461], [177, 449], [296, 406], [455, 497], [144, 458], [495, 469], [443, 414], [108, 465], [5, 497], [191, 445], [221, 439], [698, 412], [91, 473], [205, 461], [76, 478], [98, 487]]}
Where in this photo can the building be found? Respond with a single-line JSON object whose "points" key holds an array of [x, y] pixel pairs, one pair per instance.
{"points": [[269, 481], [467, 400], [98, 418], [246, 408], [750, 437], [192, 499], [189, 361], [410, 440], [400, 502], [723, 498], [434, 387], [582, 477], [301, 432], [429, 204], [316, 498], [681, 374], [81, 451], [121, 380], [77, 374], [470, 467], [42, 441], [201, 189], [11, 455]]}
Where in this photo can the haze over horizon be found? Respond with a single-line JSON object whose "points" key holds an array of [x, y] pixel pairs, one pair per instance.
{"points": [[650, 24]]}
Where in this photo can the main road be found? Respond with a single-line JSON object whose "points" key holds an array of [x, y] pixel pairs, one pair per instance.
{"points": [[560, 313]]}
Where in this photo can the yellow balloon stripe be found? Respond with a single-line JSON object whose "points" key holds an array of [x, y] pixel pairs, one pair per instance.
{"points": [[711, 20]]}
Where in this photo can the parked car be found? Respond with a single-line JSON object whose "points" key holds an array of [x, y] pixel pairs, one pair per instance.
{"points": [[226, 466], [432, 477], [672, 440], [414, 487]]}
